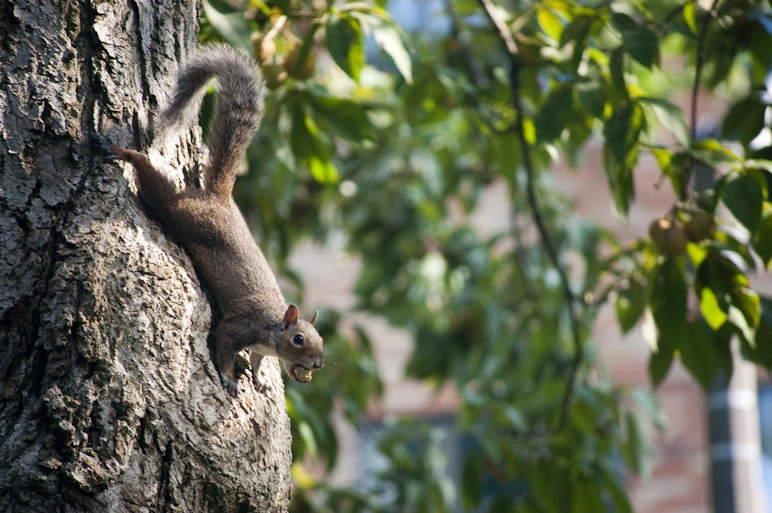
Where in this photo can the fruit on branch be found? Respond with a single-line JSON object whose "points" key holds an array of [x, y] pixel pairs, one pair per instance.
{"points": [[700, 226], [264, 48], [668, 236], [299, 70]]}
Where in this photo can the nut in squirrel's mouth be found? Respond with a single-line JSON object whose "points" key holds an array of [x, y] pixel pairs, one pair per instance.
{"points": [[300, 373]]}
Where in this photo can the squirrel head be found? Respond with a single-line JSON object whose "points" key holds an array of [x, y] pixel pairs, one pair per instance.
{"points": [[300, 345]]}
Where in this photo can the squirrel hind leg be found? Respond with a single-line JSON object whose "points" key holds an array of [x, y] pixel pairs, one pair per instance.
{"points": [[102, 146]]}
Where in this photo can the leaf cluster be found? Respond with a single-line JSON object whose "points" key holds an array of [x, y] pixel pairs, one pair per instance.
{"points": [[394, 140]]}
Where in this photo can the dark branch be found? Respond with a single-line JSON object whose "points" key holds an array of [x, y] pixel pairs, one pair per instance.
{"points": [[515, 66], [683, 194]]}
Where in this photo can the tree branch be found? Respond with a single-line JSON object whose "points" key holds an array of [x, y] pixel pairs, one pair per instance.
{"points": [[515, 66], [683, 194], [465, 53]]}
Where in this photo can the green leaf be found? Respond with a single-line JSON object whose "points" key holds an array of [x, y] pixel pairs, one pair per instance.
{"points": [[592, 97], [308, 437], [664, 157], [711, 309], [713, 152], [642, 44], [636, 450], [668, 300], [307, 145], [660, 362], [617, 68], [671, 117], [622, 131], [673, 165], [760, 164], [345, 42], [542, 477], [747, 331], [616, 490], [743, 195], [761, 351], [698, 354], [578, 30], [630, 305], [231, 26], [387, 34], [222, 6], [586, 495], [622, 22], [554, 114], [689, 17], [345, 118], [716, 273], [744, 120], [504, 504], [762, 240], [472, 480], [388, 37], [549, 23], [513, 417], [583, 416], [745, 312], [427, 100], [724, 294]]}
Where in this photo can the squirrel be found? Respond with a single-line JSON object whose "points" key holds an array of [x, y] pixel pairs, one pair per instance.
{"points": [[213, 231]]}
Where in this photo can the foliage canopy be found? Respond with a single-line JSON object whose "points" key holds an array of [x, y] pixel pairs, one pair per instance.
{"points": [[389, 136]]}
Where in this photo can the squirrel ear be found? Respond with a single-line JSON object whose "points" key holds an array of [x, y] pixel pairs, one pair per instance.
{"points": [[314, 318], [290, 316]]}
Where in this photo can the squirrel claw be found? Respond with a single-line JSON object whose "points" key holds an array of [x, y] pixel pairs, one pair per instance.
{"points": [[260, 385], [103, 145], [229, 386]]}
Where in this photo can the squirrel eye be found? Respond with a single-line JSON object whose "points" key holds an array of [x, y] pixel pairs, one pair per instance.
{"points": [[298, 340]]}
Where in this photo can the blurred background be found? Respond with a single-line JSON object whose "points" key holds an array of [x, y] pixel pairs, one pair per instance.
{"points": [[538, 233]]}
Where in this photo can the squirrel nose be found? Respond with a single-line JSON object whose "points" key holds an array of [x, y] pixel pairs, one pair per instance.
{"points": [[318, 364]]}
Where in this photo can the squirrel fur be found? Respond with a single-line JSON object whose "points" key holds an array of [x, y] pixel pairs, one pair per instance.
{"points": [[211, 228]]}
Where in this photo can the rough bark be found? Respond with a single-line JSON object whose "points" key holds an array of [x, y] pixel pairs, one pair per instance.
{"points": [[109, 400]]}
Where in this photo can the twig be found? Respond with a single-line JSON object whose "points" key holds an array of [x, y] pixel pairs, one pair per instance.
{"points": [[683, 194], [473, 68], [276, 28], [514, 76]]}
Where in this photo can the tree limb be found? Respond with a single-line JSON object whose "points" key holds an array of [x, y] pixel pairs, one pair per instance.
{"points": [[515, 66], [683, 194]]}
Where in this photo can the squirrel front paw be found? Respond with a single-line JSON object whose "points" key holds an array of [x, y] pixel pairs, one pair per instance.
{"points": [[229, 386], [260, 385]]}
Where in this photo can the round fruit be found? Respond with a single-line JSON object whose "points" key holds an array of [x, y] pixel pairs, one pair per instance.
{"points": [[291, 64], [274, 75], [700, 226], [669, 238], [657, 231], [264, 49]]}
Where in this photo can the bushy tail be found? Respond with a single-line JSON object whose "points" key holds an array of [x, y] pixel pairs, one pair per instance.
{"points": [[237, 111]]}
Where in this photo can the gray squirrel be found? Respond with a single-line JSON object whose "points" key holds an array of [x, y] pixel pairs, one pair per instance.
{"points": [[211, 228]]}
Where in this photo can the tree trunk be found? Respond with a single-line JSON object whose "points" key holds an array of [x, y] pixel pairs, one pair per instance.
{"points": [[109, 400]]}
